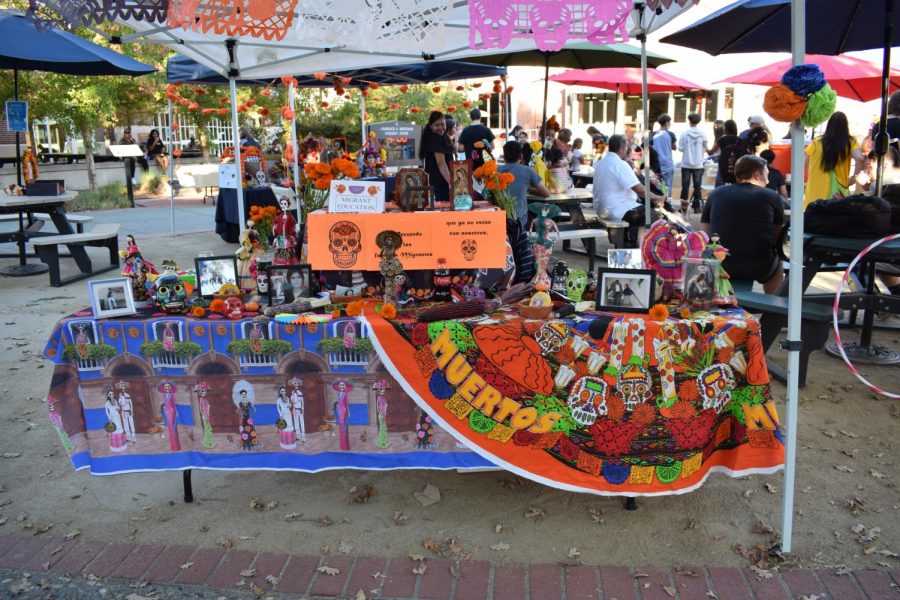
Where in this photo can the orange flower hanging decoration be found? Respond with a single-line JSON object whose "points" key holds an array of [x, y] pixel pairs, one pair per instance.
{"points": [[320, 75], [264, 112], [467, 104], [388, 311], [415, 110], [286, 113], [373, 85], [222, 112], [451, 109], [436, 89], [404, 88], [659, 312]]}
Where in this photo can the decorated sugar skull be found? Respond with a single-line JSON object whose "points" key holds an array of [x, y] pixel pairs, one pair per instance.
{"points": [[234, 308], [262, 282], [716, 383], [261, 178], [576, 281], [587, 400], [634, 383], [473, 292], [551, 337], [169, 294], [345, 244], [469, 249]]}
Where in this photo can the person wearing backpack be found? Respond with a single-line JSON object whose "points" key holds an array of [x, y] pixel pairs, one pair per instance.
{"points": [[723, 146], [828, 161], [664, 142]]}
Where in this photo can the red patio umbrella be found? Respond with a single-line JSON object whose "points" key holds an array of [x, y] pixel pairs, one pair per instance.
{"points": [[850, 77]]}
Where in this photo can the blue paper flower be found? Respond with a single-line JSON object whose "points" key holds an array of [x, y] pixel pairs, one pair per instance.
{"points": [[804, 79]]}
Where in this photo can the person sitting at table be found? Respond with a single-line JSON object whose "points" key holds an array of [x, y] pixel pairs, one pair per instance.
{"points": [[777, 181], [157, 150], [471, 135], [616, 189], [748, 218], [127, 138], [526, 180], [436, 151]]}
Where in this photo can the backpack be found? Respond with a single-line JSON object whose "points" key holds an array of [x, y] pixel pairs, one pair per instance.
{"points": [[729, 157], [854, 217]]}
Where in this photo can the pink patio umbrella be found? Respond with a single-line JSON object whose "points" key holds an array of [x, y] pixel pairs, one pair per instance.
{"points": [[850, 77]]}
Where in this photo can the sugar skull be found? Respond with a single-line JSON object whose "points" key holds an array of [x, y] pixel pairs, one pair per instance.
{"points": [[345, 243], [576, 281], [634, 383], [715, 383], [234, 308], [551, 337], [469, 249], [550, 22], [587, 400], [261, 179], [169, 294], [473, 292], [262, 282]]}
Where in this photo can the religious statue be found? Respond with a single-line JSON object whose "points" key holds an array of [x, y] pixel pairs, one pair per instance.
{"points": [[542, 243]]}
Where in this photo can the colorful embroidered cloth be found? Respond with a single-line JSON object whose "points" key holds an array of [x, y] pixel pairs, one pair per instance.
{"points": [[651, 408]]}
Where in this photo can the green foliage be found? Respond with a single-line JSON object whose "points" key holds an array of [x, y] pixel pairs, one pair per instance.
{"points": [[265, 347], [153, 184], [94, 352], [108, 196], [181, 349], [336, 344]]}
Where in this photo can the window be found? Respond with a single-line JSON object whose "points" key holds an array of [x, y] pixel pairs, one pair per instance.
{"points": [[596, 108], [712, 106], [659, 104], [493, 110], [169, 333], [84, 333], [257, 331], [347, 356]]}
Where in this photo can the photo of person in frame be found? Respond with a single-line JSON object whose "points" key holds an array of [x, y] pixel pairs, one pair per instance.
{"points": [[412, 200]]}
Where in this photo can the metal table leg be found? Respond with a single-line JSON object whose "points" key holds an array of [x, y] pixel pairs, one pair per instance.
{"points": [[188, 490]]}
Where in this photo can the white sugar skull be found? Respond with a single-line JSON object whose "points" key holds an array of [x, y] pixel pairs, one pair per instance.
{"points": [[576, 281], [345, 243], [551, 337], [634, 383], [587, 400], [716, 383], [261, 178], [262, 282], [469, 249], [550, 22], [494, 22]]}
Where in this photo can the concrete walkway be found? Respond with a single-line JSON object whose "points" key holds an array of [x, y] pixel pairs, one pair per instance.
{"points": [[79, 568]]}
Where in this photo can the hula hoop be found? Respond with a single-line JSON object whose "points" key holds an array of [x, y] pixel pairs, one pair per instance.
{"points": [[836, 312]]}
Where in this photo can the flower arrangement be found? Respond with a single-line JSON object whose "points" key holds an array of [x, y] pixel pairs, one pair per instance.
{"points": [[262, 217], [497, 183], [318, 181]]}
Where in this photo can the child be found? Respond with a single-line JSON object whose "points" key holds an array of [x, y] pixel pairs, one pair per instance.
{"points": [[577, 157], [777, 181]]}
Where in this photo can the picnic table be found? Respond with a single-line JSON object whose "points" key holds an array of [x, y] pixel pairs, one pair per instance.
{"points": [[54, 206]]}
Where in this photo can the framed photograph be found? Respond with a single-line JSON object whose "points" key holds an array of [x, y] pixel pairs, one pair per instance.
{"points": [[461, 176], [112, 297], [215, 271], [412, 190], [625, 290], [700, 277], [287, 283], [624, 258]]}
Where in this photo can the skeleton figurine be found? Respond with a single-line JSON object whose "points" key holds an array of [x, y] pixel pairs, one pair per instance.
{"points": [[390, 266]]}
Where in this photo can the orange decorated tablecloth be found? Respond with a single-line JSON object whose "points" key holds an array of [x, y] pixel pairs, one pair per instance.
{"points": [[649, 408]]}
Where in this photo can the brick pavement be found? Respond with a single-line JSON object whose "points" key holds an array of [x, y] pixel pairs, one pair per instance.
{"points": [[211, 569]]}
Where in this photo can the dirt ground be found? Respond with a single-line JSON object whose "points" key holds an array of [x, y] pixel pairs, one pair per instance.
{"points": [[846, 512]]}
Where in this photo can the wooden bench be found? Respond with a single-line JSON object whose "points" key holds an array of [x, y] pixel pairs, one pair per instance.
{"points": [[814, 327], [77, 220], [103, 235]]}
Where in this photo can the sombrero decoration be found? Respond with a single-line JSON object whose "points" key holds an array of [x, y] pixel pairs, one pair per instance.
{"points": [[295, 382], [201, 386], [336, 385], [802, 94], [538, 208], [162, 386], [516, 355], [388, 236]]}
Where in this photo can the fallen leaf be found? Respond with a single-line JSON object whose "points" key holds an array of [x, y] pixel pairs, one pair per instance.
{"points": [[248, 573], [454, 547], [186, 566], [534, 512], [669, 590], [42, 528], [771, 488], [272, 580], [498, 528], [747, 493], [843, 468], [430, 544], [324, 521], [849, 434], [842, 570], [11, 454], [225, 543], [596, 515], [416, 556], [345, 548], [500, 546], [573, 553], [362, 495], [877, 474], [428, 496], [360, 595], [830, 434], [420, 570], [454, 570], [761, 573], [292, 516], [399, 518], [330, 571], [72, 534], [871, 535], [257, 589], [810, 597], [711, 594], [762, 528]]}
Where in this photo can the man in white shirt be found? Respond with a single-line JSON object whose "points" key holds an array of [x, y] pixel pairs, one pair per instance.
{"points": [[693, 145], [617, 188]]}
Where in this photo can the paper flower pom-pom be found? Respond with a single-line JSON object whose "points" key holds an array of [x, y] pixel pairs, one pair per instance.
{"points": [[820, 106], [804, 79], [783, 105]]}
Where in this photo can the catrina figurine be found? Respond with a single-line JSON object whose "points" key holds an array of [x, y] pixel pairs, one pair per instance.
{"points": [[246, 256], [136, 268]]}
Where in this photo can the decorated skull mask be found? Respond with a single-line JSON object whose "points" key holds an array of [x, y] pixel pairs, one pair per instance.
{"points": [[576, 281], [587, 400], [635, 385], [234, 308], [716, 383], [345, 243], [262, 282], [469, 249], [551, 337], [169, 294]]}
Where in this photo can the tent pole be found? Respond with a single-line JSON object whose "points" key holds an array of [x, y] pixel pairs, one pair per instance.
{"points": [[171, 174], [882, 139], [18, 156], [235, 134], [292, 98], [616, 114], [645, 106], [362, 118], [543, 126], [795, 287]]}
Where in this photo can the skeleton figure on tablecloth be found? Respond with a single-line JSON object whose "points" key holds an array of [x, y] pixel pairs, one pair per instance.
{"points": [[202, 389], [244, 399], [297, 407], [170, 413], [127, 408], [285, 424], [54, 409], [342, 410], [113, 426], [381, 408]]}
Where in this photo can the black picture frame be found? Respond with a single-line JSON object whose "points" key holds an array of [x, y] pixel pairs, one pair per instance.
{"points": [[625, 290], [213, 272], [281, 288]]}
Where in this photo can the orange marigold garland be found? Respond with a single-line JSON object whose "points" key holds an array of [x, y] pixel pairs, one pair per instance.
{"points": [[615, 407], [198, 311]]}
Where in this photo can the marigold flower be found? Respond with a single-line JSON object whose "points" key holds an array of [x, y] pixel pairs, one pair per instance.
{"points": [[388, 311], [198, 311], [643, 413], [250, 103], [374, 85], [415, 110], [264, 112], [217, 305], [404, 89], [659, 312], [685, 313], [467, 104], [324, 104], [355, 308], [206, 112], [323, 183], [193, 106], [436, 89], [336, 313], [265, 92], [451, 109]]}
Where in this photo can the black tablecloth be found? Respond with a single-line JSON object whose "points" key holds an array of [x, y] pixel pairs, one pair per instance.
{"points": [[228, 226]]}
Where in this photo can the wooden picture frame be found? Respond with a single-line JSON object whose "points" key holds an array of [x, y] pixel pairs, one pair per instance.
{"points": [[625, 290], [461, 176], [112, 297], [213, 272], [412, 190], [284, 279]]}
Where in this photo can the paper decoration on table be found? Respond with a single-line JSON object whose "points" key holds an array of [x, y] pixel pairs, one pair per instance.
{"points": [[267, 19], [228, 176], [495, 23], [93, 12], [356, 196]]}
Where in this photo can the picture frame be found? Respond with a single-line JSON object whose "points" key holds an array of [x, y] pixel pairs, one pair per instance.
{"points": [[699, 280], [213, 272], [625, 290], [461, 176], [112, 297], [412, 190], [624, 258], [284, 280]]}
